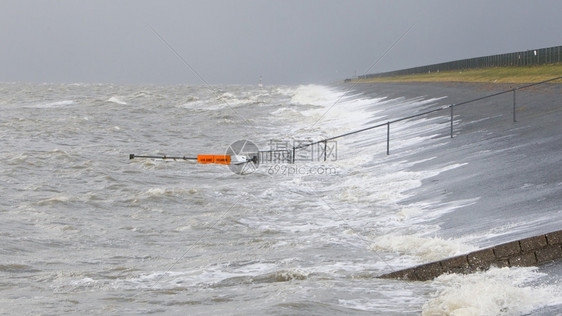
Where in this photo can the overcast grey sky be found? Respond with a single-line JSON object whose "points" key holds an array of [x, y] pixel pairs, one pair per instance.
{"points": [[285, 42]]}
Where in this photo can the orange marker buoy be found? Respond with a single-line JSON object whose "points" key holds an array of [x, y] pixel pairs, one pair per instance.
{"points": [[206, 159], [219, 159], [224, 160]]}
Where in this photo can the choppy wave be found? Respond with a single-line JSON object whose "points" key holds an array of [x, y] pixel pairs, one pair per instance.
{"points": [[315, 95], [52, 105], [116, 100], [425, 248], [153, 236], [497, 291]]}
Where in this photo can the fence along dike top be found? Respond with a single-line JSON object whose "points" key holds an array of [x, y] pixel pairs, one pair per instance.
{"points": [[541, 56]]}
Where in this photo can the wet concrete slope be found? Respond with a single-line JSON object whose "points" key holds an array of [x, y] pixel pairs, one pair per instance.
{"points": [[512, 171]]}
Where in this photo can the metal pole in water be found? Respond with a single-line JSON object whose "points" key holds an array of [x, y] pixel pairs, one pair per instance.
{"points": [[451, 106], [325, 149], [388, 138]]}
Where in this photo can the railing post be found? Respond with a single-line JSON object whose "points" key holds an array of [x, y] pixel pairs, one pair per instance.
{"points": [[325, 149], [514, 118], [451, 106], [388, 138], [293, 158]]}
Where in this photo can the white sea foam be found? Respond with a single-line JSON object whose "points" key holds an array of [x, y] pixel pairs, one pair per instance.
{"points": [[287, 112], [505, 291], [426, 248], [52, 105], [116, 100], [386, 186], [168, 192], [315, 95]]}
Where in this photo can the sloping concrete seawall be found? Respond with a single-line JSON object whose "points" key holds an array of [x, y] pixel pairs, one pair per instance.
{"points": [[531, 251]]}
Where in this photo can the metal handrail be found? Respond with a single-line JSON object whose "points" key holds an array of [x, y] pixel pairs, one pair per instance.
{"points": [[451, 106]]}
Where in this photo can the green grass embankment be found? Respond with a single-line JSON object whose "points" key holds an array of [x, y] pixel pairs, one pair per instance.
{"points": [[520, 74]]}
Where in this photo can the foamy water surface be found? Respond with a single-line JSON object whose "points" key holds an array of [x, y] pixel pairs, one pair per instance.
{"points": [[86, 230]]}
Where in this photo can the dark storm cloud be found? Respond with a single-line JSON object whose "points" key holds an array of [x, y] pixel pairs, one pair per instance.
{"points": [[239, 41]]}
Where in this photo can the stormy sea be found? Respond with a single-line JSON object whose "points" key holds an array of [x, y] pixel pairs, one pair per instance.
{"points": [[85, 229]]}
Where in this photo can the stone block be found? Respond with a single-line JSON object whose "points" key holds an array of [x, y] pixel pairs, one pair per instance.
{"points": [[481, 258], [502, 263], [549, 254], [454, 263], [533, 243], [554, 238], [524, 260], [428, 271], [406, 274], [463, 270], [507, 250]]}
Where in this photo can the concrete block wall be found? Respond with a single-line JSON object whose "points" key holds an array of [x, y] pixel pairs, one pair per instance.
{"points": [[525, 252]]}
